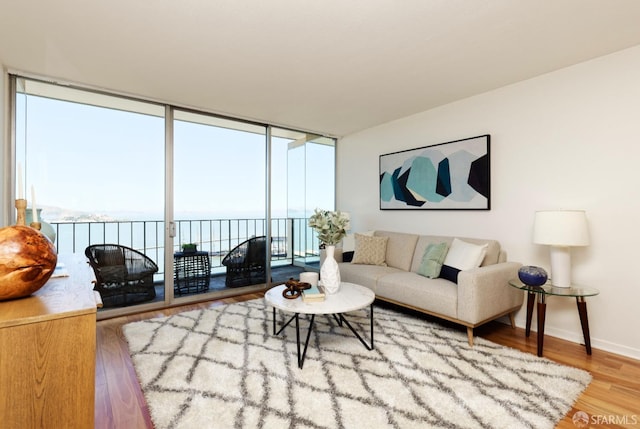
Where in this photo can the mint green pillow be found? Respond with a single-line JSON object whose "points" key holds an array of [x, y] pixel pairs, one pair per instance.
{"points": [[432, 260]]}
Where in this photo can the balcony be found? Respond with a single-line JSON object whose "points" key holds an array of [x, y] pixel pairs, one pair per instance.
{"points": [[294, 246]]}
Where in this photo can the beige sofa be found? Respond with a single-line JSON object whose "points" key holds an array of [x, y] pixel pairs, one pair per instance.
{"points": [[481, 295]]}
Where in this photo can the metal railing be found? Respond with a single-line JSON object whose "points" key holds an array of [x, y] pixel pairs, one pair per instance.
{"points": [[293, 242]]}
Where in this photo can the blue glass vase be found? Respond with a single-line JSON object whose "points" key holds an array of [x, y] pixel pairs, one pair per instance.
{"points": [[532, 276]]}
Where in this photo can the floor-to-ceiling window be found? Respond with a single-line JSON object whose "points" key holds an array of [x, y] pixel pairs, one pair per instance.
{"points": [[158, 179], [311, 185], [219, 196]]}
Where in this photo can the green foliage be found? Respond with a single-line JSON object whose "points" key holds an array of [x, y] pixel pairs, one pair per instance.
{"points": [[330, 226]]}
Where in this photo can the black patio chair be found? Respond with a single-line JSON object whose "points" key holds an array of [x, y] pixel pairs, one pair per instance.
{"points": [[124, 276], [246, 263]]}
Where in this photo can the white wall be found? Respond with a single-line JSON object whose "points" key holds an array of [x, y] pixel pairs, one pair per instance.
{"points": [[569, 139]]}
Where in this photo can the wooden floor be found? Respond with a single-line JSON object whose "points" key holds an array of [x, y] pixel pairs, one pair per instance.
{"points": [[612, 399]]}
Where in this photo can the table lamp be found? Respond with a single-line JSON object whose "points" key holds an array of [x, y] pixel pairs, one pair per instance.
{"points": [[561, 229]]}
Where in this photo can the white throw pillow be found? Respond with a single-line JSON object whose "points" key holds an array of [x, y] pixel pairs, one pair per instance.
{"points": [[464, 255]]}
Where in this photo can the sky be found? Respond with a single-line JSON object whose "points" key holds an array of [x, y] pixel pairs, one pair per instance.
{"points": [[94, 159]]}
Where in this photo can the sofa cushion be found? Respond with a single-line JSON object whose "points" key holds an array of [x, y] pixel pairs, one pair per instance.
{"points": [[349, 241], [464, 255], [432, 260], [435, 295], [493, 252], [365, 275], [370, 250], [449, 273], [491, 257], [400, 249]]}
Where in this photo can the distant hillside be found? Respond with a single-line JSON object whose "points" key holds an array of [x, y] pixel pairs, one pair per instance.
{"points": [[57, 214]]}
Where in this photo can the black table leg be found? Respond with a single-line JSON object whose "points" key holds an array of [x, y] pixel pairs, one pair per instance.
{"points": [[542, 311], [306, 343], [346, 322], [302, 353], [584, 322], [531, 297]]}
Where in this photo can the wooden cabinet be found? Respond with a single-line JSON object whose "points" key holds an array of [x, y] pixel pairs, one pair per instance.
{"points": [[48, 353]]}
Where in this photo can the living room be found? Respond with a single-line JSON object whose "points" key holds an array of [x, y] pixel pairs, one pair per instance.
{"points": [[563, 138]]}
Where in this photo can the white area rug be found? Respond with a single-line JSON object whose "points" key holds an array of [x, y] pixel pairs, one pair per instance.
{"points": [[224, 368]]}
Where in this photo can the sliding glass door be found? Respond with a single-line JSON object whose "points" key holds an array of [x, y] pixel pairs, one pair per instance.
{"points": [[94, 164], [219, 201]]}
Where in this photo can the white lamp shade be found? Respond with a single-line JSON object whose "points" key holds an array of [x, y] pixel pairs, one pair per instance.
{"points": [[561, 228]]}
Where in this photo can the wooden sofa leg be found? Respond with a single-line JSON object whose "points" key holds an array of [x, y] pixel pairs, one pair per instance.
{"points": [[470, 335], [512, 319]]}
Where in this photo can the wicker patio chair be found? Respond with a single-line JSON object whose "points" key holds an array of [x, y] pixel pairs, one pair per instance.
{"points": [[124, 276], [246, 263]]}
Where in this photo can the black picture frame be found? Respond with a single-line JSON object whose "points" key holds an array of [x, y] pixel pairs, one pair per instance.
{"points": [[454, 175]]}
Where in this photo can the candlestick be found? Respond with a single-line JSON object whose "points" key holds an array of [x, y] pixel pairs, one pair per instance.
{"points": [[34, 212], [20, 184], [21, 209], [36, 225]]}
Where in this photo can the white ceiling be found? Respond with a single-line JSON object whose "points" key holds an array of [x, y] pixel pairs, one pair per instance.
{"points": [[329, 66]]}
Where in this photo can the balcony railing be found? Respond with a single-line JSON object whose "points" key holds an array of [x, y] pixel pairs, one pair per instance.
{"points": [[293, 242]]}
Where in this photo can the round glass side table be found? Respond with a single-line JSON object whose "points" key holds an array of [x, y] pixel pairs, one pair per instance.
{"points": [[541, 292]]}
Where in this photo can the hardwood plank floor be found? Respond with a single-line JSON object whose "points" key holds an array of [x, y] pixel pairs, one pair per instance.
{"points": [[612, 400]]}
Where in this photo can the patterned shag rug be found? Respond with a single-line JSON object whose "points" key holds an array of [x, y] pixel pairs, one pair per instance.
{"points": [[224, 368]]}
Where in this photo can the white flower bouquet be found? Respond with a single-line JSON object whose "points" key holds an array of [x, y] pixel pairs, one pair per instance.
{"points": [[330, 226]]}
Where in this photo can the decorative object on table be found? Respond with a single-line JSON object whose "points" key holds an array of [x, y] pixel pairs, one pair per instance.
{"points": [[330, 271], [21, 210], [313, 294], [310, 277], [294, 288], [447, 176], [561, 229], [190, 248], [46, 228], [27, 260], [331, 227], [532, 276]]}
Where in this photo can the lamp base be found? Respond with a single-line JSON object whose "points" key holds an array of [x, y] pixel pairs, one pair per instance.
{"points": [[560, 266]]}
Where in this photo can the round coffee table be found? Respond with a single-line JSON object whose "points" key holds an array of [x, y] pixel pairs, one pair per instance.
{"points": [[350, 297]]}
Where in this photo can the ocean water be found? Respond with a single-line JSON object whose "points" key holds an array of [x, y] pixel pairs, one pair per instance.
{"points": [[291, 236]]}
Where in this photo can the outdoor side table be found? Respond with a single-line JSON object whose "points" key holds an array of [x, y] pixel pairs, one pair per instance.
{"points": [[577, 292], [191, 272]]}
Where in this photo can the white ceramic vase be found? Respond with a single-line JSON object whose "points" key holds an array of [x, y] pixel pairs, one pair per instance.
{"points": [[330, 272], [45, 227]]}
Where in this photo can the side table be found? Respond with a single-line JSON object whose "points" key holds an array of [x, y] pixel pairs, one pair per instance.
{"points": [[577, 292], [191, 272]]}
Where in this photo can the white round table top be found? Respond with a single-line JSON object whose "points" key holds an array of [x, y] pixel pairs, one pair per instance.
{"points": [[350, 297]]}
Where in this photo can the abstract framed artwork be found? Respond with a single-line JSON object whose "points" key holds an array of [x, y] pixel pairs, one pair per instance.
{"points": [[447, 176]]}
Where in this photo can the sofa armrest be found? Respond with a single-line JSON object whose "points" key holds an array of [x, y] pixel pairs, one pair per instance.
{"points": [[484, 293]]}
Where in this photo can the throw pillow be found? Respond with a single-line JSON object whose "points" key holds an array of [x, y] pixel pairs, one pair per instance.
{"points": [[449, 273], [465, 256], [432, 260], [347, 256], [370, 250], [349, 242]]}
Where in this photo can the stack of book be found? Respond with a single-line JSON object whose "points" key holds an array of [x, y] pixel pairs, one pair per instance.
{"points": [[315, 294]]}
